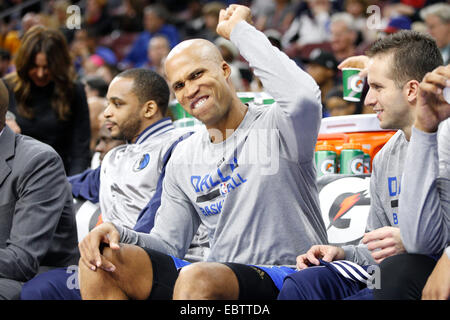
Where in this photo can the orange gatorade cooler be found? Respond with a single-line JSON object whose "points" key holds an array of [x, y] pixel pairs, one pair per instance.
{"points": [[363, 129]]}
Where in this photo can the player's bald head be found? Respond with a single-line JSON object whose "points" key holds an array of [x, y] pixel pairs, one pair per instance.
{"points": [[193, 49], [201, 48], [4, 101]]}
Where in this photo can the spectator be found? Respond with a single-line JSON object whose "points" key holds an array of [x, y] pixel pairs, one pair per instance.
{"points": [[55, 17], [38, 227], [322, 66], [96, 107], [210, 18], [158, 49], [343, 36], [128, 16], [309, 27], [155, 22], [437, 19], [239, 215], [86, 50], [105, 143], [357, 8], [130, 174], [49, 105], [337, 106], [425, 226], [11, 39], [95, 87], [191, 20], [397, 65], [97, 17], [279, 17]]}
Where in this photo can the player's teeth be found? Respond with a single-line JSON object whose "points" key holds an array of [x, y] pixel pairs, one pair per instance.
{"points": [[200, 103]]}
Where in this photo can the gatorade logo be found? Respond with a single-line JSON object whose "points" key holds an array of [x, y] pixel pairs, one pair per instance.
{"points": [[342, 204], [357, 166], [327, 166], [356, 83], [345, 204]]}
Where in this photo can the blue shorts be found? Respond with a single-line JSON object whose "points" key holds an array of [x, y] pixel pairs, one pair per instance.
{"points": [[56, 284], [277, 274], [337, 280]]}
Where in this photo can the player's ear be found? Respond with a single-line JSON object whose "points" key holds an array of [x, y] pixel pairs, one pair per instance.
{"points": [[226, 69], [150, 109], [411, 90]]}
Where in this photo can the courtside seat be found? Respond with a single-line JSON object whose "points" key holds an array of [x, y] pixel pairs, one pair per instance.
{"points": [[345, 204]]}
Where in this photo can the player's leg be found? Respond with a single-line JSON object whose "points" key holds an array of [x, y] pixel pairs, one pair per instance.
{"points": [[231, 281], [56, 284], [140, 274], [404, 276]]}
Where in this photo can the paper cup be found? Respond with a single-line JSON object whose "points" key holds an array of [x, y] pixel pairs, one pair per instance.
{"points": [[352, 84]]}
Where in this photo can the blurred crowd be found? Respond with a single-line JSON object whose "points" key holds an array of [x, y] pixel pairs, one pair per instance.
{"points": [[106, 37]]}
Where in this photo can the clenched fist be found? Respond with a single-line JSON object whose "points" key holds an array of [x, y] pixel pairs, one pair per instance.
{"points": [[231, 16]]}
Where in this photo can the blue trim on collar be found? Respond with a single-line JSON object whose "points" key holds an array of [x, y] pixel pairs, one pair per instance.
{"points": [[155, 129]]}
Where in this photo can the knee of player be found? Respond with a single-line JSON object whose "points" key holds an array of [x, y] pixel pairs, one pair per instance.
{"points": [[200, 281]]}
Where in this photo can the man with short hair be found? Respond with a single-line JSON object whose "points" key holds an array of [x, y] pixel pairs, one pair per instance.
{"points": [[426, 202], [37, 224], [249, 177], [396, 66]]}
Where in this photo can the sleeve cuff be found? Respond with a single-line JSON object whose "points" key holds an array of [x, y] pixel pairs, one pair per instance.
{"points": [[423, 137]]}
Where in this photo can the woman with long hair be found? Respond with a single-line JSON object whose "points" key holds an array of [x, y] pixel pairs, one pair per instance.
{"points": [[49, 104]]}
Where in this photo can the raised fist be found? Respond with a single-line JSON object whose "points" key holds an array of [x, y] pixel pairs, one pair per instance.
{"points": [[229, 17]]}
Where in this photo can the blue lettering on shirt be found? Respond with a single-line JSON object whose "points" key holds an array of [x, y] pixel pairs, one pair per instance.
{"points": [[214, 208], [204, 183], [207, 182], [395, 218], [194, 181], [392, 184]]}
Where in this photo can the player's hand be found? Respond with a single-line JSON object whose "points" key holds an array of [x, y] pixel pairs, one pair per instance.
{"points": [[431, 107], [360, 62], [229, 17], [384, 242], [324, 252], [89, 246], [438, 283]]}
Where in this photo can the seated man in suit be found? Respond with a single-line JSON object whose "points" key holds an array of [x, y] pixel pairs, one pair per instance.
{"points": [[37, 224]]}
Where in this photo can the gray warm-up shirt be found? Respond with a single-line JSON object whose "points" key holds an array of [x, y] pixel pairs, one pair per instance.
{"points": [[425, 198], [406, 193], [255, 192], [385, 188]]}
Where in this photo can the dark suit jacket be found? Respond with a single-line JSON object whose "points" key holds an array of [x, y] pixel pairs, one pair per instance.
{"points": [[37, 223]]}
